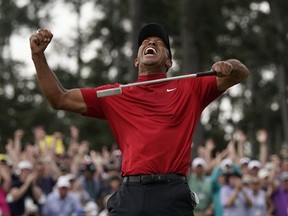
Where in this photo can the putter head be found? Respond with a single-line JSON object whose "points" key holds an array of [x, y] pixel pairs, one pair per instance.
{"points": [[109, 92]]}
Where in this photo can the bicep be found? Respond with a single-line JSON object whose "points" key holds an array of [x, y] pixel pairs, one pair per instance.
{"points": [[73, 101]]}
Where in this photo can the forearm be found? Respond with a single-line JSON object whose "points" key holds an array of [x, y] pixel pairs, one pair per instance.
{"points": [[240, 149], [58, 97], [17, 193], [263, 153], [6, 182], [249, 202], [37, 192], [49, 84], [239, 72]]}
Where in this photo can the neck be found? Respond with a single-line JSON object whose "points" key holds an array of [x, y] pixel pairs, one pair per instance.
{"points": [[147, 70]]}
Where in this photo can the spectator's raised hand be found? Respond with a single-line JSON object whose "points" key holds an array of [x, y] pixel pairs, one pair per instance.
{"points": [[31, 178], [9, 145], [261, 136], [74, 132], [18, 134], [58, 135], [209, 145], [240, 136], [83, 147]]}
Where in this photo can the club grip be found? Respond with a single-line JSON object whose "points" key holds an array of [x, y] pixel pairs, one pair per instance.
{"points": [[206, 73]]}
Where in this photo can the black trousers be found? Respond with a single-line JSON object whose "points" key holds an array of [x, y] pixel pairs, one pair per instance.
{"points": [[172, 198]]}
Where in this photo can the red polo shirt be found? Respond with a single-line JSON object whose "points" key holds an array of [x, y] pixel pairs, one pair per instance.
{"points": [[153, 124]]}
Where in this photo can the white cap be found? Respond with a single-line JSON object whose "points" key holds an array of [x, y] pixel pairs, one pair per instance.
{"points": [[91, 209], [226, 162], [244, 160], [63, 181], [254, 163], [269, 165], [246, 179], [284, 176], [24, 164], [198, 162], [263, 173]]}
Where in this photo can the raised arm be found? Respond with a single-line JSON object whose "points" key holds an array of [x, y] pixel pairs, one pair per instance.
{"points": [[54, 92], [230, 72]]}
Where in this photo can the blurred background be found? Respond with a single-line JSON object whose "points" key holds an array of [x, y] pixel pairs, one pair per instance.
{"points": [[95, 43]]}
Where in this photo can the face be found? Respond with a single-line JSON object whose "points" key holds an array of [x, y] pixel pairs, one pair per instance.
{"points": [[234, 180], [153, 55], [255, 184], [63, 191], [254, 171], [40, 170], [199, 170], [285, 184]]}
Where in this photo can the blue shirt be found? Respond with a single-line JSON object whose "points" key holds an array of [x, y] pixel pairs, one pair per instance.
{"points": [[60, 207], [239, 207]]}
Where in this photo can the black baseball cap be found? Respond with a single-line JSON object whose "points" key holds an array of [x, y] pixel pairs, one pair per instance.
{"points": [[154, 29]]}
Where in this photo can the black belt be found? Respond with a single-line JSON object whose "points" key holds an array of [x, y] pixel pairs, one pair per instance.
{"points": [[153, 178]]}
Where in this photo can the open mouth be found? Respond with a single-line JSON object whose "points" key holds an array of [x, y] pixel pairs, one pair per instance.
{"points": [[150, 51]]}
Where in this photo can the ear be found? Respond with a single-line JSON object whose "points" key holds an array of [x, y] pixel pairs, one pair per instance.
{"points": [[136, 62], [168, 63]]}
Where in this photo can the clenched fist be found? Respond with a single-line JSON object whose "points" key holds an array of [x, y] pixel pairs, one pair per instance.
{"points": [[39, 41], [223, 68]]}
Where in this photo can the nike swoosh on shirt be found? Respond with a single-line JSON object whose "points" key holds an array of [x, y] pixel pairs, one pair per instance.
{"points": [[170, 90]]}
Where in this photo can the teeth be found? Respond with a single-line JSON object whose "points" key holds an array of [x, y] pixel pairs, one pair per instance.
{"points": [[150, 50]]}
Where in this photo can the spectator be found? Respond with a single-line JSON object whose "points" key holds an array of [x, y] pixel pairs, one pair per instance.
{"points": [[77, 191], [24, 190], [266, 179], [5, 184], [47, 142], [60, 201], [89, 181], [280, 195], [218, 180], [243, 164], [45, 178], [234, 199], [258, 197], [254, 166], [201, 185]]}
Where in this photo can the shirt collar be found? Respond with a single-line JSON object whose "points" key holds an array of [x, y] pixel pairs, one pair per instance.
{"points": [[151, 77]]}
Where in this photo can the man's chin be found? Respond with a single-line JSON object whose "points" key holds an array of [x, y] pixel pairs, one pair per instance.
{"points": [[150, 61]]}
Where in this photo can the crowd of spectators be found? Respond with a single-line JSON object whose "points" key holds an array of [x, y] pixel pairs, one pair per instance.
{"points": [[49, 177], [234, 184]]}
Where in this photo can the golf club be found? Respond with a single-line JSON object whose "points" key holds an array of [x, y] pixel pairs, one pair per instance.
{"points": [[118, 90]]}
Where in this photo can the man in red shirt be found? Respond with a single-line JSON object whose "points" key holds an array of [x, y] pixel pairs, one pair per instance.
{"points": [[152, 124]]}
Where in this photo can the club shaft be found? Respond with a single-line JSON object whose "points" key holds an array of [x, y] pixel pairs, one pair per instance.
{"points": [[206, 73], [115, 91]]}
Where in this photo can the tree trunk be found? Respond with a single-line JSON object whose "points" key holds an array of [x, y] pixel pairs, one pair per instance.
{"points": [[276, 13], [135, 8], [190, 58]]}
